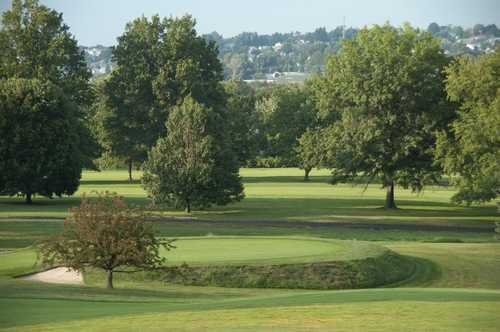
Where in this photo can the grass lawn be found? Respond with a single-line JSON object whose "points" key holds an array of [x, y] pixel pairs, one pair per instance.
{"points": [[456, 286], [281, 194], [266, 250]]}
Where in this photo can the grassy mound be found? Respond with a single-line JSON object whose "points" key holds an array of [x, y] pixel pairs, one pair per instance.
{"points": [[267, 262], [363, 273]]}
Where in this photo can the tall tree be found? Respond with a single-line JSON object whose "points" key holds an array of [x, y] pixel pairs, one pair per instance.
{"points": [[128, 109], [105, 233], [186, 168], [37, 48], [158, 63], [384, 94], [471, 149], [39, 144]]}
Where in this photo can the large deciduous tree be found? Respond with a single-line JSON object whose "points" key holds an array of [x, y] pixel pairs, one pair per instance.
{"points": [[40, 59], [39, 144], [158, 63], [192, 166], [470, 151], [105, 233], [384, 95]]}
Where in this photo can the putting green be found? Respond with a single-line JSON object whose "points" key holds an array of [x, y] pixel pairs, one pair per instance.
{"points": [[266, 250]]}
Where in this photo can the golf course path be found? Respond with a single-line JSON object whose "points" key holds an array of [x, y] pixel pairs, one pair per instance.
{"points": [[58, 275]]}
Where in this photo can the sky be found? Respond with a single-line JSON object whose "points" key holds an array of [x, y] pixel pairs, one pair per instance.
{"points": [[101, 21]]}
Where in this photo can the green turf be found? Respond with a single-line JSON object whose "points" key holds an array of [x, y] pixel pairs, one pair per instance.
{"points": [[155, 306], [467, 274], [281, 194], [266, 250]]}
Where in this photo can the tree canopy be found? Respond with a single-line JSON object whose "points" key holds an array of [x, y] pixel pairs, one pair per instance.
{"points": [[35, 43], [40, 142], [471, 149], [310, 150], [40, 59], [158, 63], [285, 114], [384, 95], [243, 120]]}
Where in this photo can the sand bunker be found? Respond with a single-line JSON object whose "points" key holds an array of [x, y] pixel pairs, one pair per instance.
{"points": [[59, 275]]}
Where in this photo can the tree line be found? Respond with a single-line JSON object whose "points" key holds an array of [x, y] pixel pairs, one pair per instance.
{"points": [[390, 107]]}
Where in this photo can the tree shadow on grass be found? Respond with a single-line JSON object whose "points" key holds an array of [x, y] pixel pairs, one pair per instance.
{"points": [[347, 209]]}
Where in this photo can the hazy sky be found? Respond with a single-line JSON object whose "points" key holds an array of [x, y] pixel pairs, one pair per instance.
{"points": [[101, 21]]}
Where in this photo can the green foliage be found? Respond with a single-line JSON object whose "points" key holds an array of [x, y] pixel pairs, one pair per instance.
{"points": [[384, 95], [242, 119], [285, 114], [35, 43], [158, 63], [471, 149], [104, 233], [40, 142], [310, 150], [192, 166]]}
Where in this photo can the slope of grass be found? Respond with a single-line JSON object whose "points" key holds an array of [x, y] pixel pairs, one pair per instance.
{"points": [[155, 306], [454, 265], [361, 316], [395, 308]]}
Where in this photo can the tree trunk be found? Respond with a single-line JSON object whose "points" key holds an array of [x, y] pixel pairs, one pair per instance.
{"points": [[130, 170], [28, 198], [306, 173], [389, 198], [109, 284], [188, 206]]}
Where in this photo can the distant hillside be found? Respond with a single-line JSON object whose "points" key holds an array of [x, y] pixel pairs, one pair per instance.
{"points": [[251, 56]]}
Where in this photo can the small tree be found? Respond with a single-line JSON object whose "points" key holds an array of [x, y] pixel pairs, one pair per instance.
{"points": [[184, 169], [309, 151], [105, 233]]}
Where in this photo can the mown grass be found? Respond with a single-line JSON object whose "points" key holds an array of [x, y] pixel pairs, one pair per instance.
{"points": [[266, 250], [277, 204], [153, 306], [280, 194], [360, 316]]}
